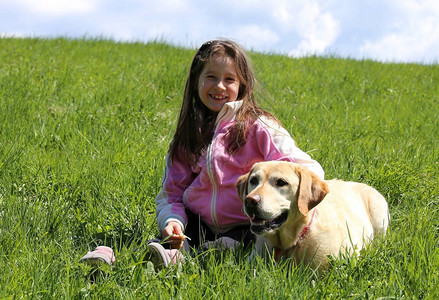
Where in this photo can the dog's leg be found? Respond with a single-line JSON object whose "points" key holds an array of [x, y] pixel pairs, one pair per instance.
{"points": [[262, 248]]}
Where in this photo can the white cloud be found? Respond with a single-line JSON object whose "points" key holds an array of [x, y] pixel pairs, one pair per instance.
{"points": [[317, 29], [254, 36], [414, 36], [57, 7]]}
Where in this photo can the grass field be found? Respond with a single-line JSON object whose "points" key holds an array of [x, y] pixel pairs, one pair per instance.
{"points": [[85, 126]]}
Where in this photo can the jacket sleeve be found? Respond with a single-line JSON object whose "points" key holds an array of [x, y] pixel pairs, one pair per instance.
{"points": [[169, 201], [277, 144]]}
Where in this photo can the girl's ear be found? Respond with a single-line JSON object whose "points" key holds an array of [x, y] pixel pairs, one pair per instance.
{"points": [[241, 186], [312, 190]]}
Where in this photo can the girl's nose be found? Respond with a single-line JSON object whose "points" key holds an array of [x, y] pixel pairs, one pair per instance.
{"points": [[220, 85]]}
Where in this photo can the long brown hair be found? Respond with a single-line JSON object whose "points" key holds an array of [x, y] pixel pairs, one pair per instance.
{"points": [[196, 122]]}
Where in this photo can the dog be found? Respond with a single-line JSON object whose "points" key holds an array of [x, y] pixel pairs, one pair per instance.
{"points": [[294, 214]]}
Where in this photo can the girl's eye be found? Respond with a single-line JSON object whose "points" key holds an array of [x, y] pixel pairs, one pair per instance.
{"points": [[281, 182]]}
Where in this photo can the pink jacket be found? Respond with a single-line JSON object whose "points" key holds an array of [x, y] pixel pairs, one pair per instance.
{"points": [[208, 188]]}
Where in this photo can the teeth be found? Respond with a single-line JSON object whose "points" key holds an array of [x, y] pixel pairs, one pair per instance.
{"points": [[218, 97], [258, 222]]}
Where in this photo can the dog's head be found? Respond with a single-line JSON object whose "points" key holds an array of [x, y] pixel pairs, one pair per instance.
{"points": [[275, 191]]}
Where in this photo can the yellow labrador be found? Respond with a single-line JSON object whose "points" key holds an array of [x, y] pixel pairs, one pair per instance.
{"points": [[295, 214]]}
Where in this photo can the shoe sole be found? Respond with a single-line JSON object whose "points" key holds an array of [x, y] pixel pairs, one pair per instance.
{"points": [[95, 259], [160, 258]]}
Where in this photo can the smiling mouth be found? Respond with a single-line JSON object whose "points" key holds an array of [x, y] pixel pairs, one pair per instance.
{"points": [[218, 97], [259, 226]]}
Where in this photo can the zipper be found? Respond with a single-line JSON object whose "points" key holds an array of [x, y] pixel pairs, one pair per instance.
{"points": [[214, 185]]}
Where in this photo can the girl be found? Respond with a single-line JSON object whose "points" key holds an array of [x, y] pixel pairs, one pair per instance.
{"points": [[221, 132]]}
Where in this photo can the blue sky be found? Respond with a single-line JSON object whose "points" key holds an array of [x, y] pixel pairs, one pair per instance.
{"points": [[383, 30]]}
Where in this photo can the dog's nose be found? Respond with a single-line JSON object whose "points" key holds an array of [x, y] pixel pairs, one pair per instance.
{"points": [[251, 201]]}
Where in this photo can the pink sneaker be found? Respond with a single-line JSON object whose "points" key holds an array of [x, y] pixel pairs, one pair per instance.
{"points": [[162, 258], [99, 255]]}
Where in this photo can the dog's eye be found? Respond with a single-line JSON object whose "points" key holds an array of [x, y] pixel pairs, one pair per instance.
{"points": [[281, 182], [253, 181]]}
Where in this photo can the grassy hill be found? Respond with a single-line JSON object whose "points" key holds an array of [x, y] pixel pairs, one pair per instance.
{"points": [[85, 126]]}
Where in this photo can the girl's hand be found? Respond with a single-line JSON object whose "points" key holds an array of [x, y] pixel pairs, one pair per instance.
{"points": [[174, 235]]}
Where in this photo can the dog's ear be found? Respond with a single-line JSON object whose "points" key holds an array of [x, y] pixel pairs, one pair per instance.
{"points": [[312, 190], [241, 186]]}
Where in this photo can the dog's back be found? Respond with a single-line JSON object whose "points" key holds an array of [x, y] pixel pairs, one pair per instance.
{"points": [[349, 217]]}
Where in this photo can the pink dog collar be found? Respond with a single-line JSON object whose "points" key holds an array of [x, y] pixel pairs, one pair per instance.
{"points": [[305, 230]]}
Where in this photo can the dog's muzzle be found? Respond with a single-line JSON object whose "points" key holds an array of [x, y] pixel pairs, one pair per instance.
{"points": [[251, 203], [259, 224]]}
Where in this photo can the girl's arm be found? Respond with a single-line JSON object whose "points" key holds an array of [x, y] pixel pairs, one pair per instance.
{"points": [[169, 201], [277, 144]]}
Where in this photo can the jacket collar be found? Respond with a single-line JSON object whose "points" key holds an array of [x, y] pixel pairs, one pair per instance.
{"points": [[228, 112]]}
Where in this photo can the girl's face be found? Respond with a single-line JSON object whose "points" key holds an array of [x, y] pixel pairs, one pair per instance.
{"points": [[218, 82]]}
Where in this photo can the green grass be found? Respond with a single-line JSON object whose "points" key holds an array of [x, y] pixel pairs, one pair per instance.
{"points": [[85, 126]]}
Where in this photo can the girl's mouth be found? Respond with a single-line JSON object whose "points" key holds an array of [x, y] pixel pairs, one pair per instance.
{"points": [[218, 97]]}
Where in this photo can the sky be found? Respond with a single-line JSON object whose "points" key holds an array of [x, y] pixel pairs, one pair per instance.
{"points": [[402, 31]]}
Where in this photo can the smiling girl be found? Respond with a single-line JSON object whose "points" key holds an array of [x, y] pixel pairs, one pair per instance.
{"points": [[221, 133]]}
